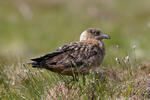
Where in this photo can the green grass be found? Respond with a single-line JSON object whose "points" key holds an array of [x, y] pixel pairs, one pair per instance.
{"points": [[33, 28]]}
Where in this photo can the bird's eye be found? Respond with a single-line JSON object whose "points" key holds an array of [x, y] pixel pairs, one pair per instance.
{"points": [[96, 33]]}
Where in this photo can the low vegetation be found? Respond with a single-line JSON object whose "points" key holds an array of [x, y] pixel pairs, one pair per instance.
{"points": [[123, 80]]}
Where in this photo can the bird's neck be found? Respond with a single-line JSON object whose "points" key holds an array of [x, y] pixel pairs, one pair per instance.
{"points": [[102, 46], [95, 42]]}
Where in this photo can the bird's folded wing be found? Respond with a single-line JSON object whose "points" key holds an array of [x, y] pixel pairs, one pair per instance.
{"points": [[76, 54]]}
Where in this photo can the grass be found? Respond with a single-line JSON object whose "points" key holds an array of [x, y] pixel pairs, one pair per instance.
{"points": [[29, 29], [119, 81]]}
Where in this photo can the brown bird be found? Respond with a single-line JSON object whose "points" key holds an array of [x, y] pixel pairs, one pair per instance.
{"points": [[75, 57]]}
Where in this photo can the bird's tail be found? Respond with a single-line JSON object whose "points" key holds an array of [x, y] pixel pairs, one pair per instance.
{"points": [[33, 64]]}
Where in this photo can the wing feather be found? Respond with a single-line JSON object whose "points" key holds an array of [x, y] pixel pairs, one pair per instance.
{"points": [[75, 54]]}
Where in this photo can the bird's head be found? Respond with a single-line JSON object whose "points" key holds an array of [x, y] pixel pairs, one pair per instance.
{"points": [[93, 34]]}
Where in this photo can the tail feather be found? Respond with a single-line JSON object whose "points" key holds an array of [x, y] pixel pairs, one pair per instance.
{"points": [[47, 56], [41, 61], [33, 64]]}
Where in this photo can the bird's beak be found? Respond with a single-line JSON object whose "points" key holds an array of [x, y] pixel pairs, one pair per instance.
{"points": [[104, 36]]}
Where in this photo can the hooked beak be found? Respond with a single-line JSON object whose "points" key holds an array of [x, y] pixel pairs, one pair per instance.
{"points": [[104, 36]]}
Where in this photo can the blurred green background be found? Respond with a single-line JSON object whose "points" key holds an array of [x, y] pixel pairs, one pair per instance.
{"points": [[30, 28]]}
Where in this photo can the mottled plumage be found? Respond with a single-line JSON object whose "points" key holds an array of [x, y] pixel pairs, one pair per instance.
{"points": [[75, 57]]}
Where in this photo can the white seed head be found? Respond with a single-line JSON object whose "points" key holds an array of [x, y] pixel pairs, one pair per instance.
{"points": [[126, 59], [117, 60]]}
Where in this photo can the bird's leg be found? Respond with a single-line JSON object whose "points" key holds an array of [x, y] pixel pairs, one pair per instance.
{"points": [[93, 89], [73, 80], [75, 77], [84, 79]]}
